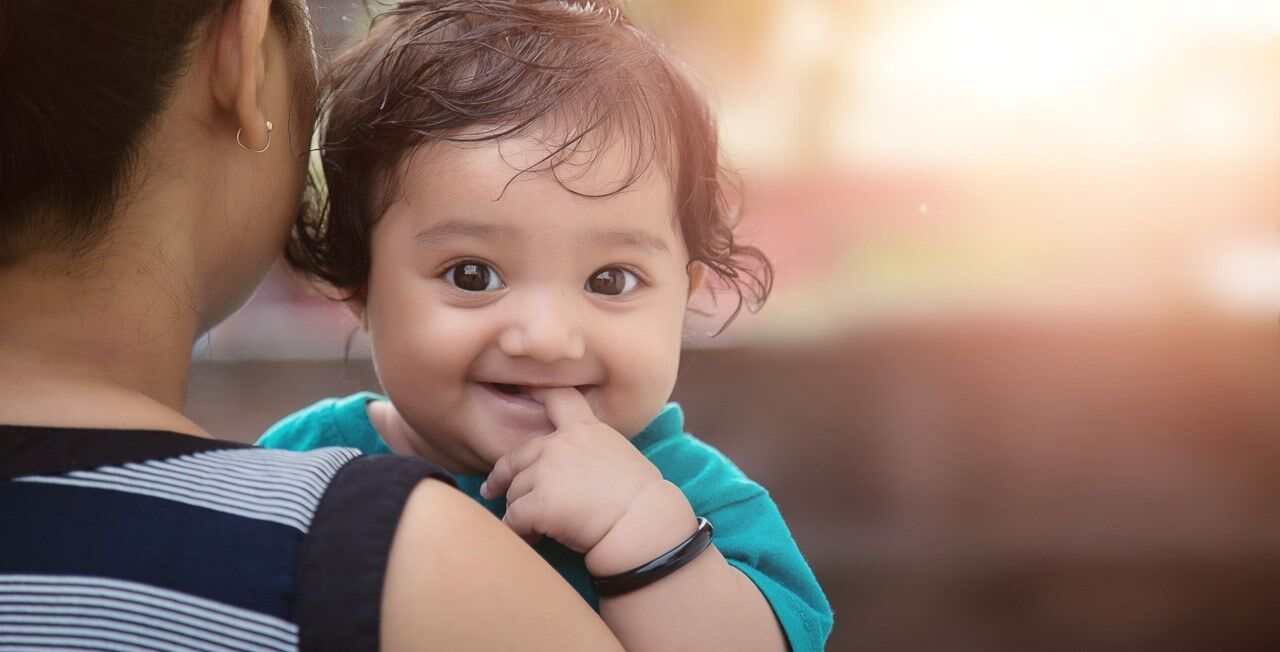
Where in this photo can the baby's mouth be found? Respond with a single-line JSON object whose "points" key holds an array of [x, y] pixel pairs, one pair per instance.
{"points": [[514, 390], [522, 391], [515, 404]]}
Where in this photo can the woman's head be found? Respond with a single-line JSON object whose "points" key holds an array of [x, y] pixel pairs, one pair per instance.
{"points": [[107, 106]]}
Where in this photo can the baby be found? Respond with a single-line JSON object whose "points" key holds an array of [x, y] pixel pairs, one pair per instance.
{"points": [[521, 198]]}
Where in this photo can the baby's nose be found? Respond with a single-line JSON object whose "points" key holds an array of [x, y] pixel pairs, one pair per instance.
{"points": [[545, 331]]}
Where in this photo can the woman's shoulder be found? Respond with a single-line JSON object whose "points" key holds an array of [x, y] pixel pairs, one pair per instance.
{"points": [[452, 554], [207, 534], [182, 539]]}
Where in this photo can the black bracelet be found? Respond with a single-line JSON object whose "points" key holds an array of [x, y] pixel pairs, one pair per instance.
{"points": [[659, 568]]}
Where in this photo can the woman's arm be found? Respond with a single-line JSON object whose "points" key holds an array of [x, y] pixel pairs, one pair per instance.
{"points": [[457, 578]]}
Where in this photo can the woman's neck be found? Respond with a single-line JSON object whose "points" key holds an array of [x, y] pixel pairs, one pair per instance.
{"points": [[103, 342]]}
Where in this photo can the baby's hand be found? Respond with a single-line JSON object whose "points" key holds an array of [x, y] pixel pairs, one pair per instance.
{"points": [[587, 487]]}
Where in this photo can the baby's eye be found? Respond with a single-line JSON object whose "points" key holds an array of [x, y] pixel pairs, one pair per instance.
{"points": [[612, 281], [473, 276]]}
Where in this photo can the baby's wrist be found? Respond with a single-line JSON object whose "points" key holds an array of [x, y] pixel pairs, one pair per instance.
{"points": [[657, 520]]}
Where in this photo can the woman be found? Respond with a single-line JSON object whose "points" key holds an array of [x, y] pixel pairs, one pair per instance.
{"points": [[151, 161]]}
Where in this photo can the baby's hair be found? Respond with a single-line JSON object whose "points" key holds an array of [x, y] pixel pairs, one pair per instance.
{"points": [[465, 71]]}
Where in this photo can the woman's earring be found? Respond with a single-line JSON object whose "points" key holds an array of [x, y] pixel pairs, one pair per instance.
{"points": [[264, 147]]}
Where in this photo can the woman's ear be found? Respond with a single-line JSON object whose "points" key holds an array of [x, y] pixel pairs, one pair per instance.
{"points": [[239, 67]]}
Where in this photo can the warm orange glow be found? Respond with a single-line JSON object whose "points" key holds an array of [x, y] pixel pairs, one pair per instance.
{"points": [[952, 81]]}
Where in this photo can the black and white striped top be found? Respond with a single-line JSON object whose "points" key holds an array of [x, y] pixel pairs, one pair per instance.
{"points": [[146, 540]]}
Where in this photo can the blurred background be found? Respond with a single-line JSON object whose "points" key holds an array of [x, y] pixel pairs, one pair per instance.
{"points": [[1017, 387]]}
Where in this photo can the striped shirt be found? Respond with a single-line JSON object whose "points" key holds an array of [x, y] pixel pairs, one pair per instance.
{"points": [[147, 540]]}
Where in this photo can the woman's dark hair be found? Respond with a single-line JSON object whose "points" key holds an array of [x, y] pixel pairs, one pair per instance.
{"points": [[458, 71], [80, 83]]}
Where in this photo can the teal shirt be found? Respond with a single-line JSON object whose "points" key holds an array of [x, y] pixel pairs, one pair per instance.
{"points": [[750, 532]]}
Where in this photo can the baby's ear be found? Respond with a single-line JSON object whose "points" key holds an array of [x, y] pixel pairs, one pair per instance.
{"points": [[359, 308], [697, 276], [701, 300], [700, 304]]}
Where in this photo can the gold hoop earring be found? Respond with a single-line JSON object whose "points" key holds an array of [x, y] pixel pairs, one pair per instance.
{"points": [[264, 147]]}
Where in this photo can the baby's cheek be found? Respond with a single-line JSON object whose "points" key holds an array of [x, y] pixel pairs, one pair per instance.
{"points": [[641, 377], [414, 353]]}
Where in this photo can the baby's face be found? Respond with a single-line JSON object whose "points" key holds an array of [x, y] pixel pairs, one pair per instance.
{"points": [[482, 286]]}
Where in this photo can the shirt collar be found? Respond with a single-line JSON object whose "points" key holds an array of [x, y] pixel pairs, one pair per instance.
{"points": [[668, 423]]}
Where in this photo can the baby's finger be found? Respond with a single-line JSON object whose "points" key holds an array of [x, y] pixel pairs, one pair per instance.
{"points": [[523, 516], [509, 466], [522, 484], [566, 406]]}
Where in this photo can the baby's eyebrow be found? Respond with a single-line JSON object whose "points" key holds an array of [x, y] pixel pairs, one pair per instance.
{"points": [[632, 239], [460, 228]]}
